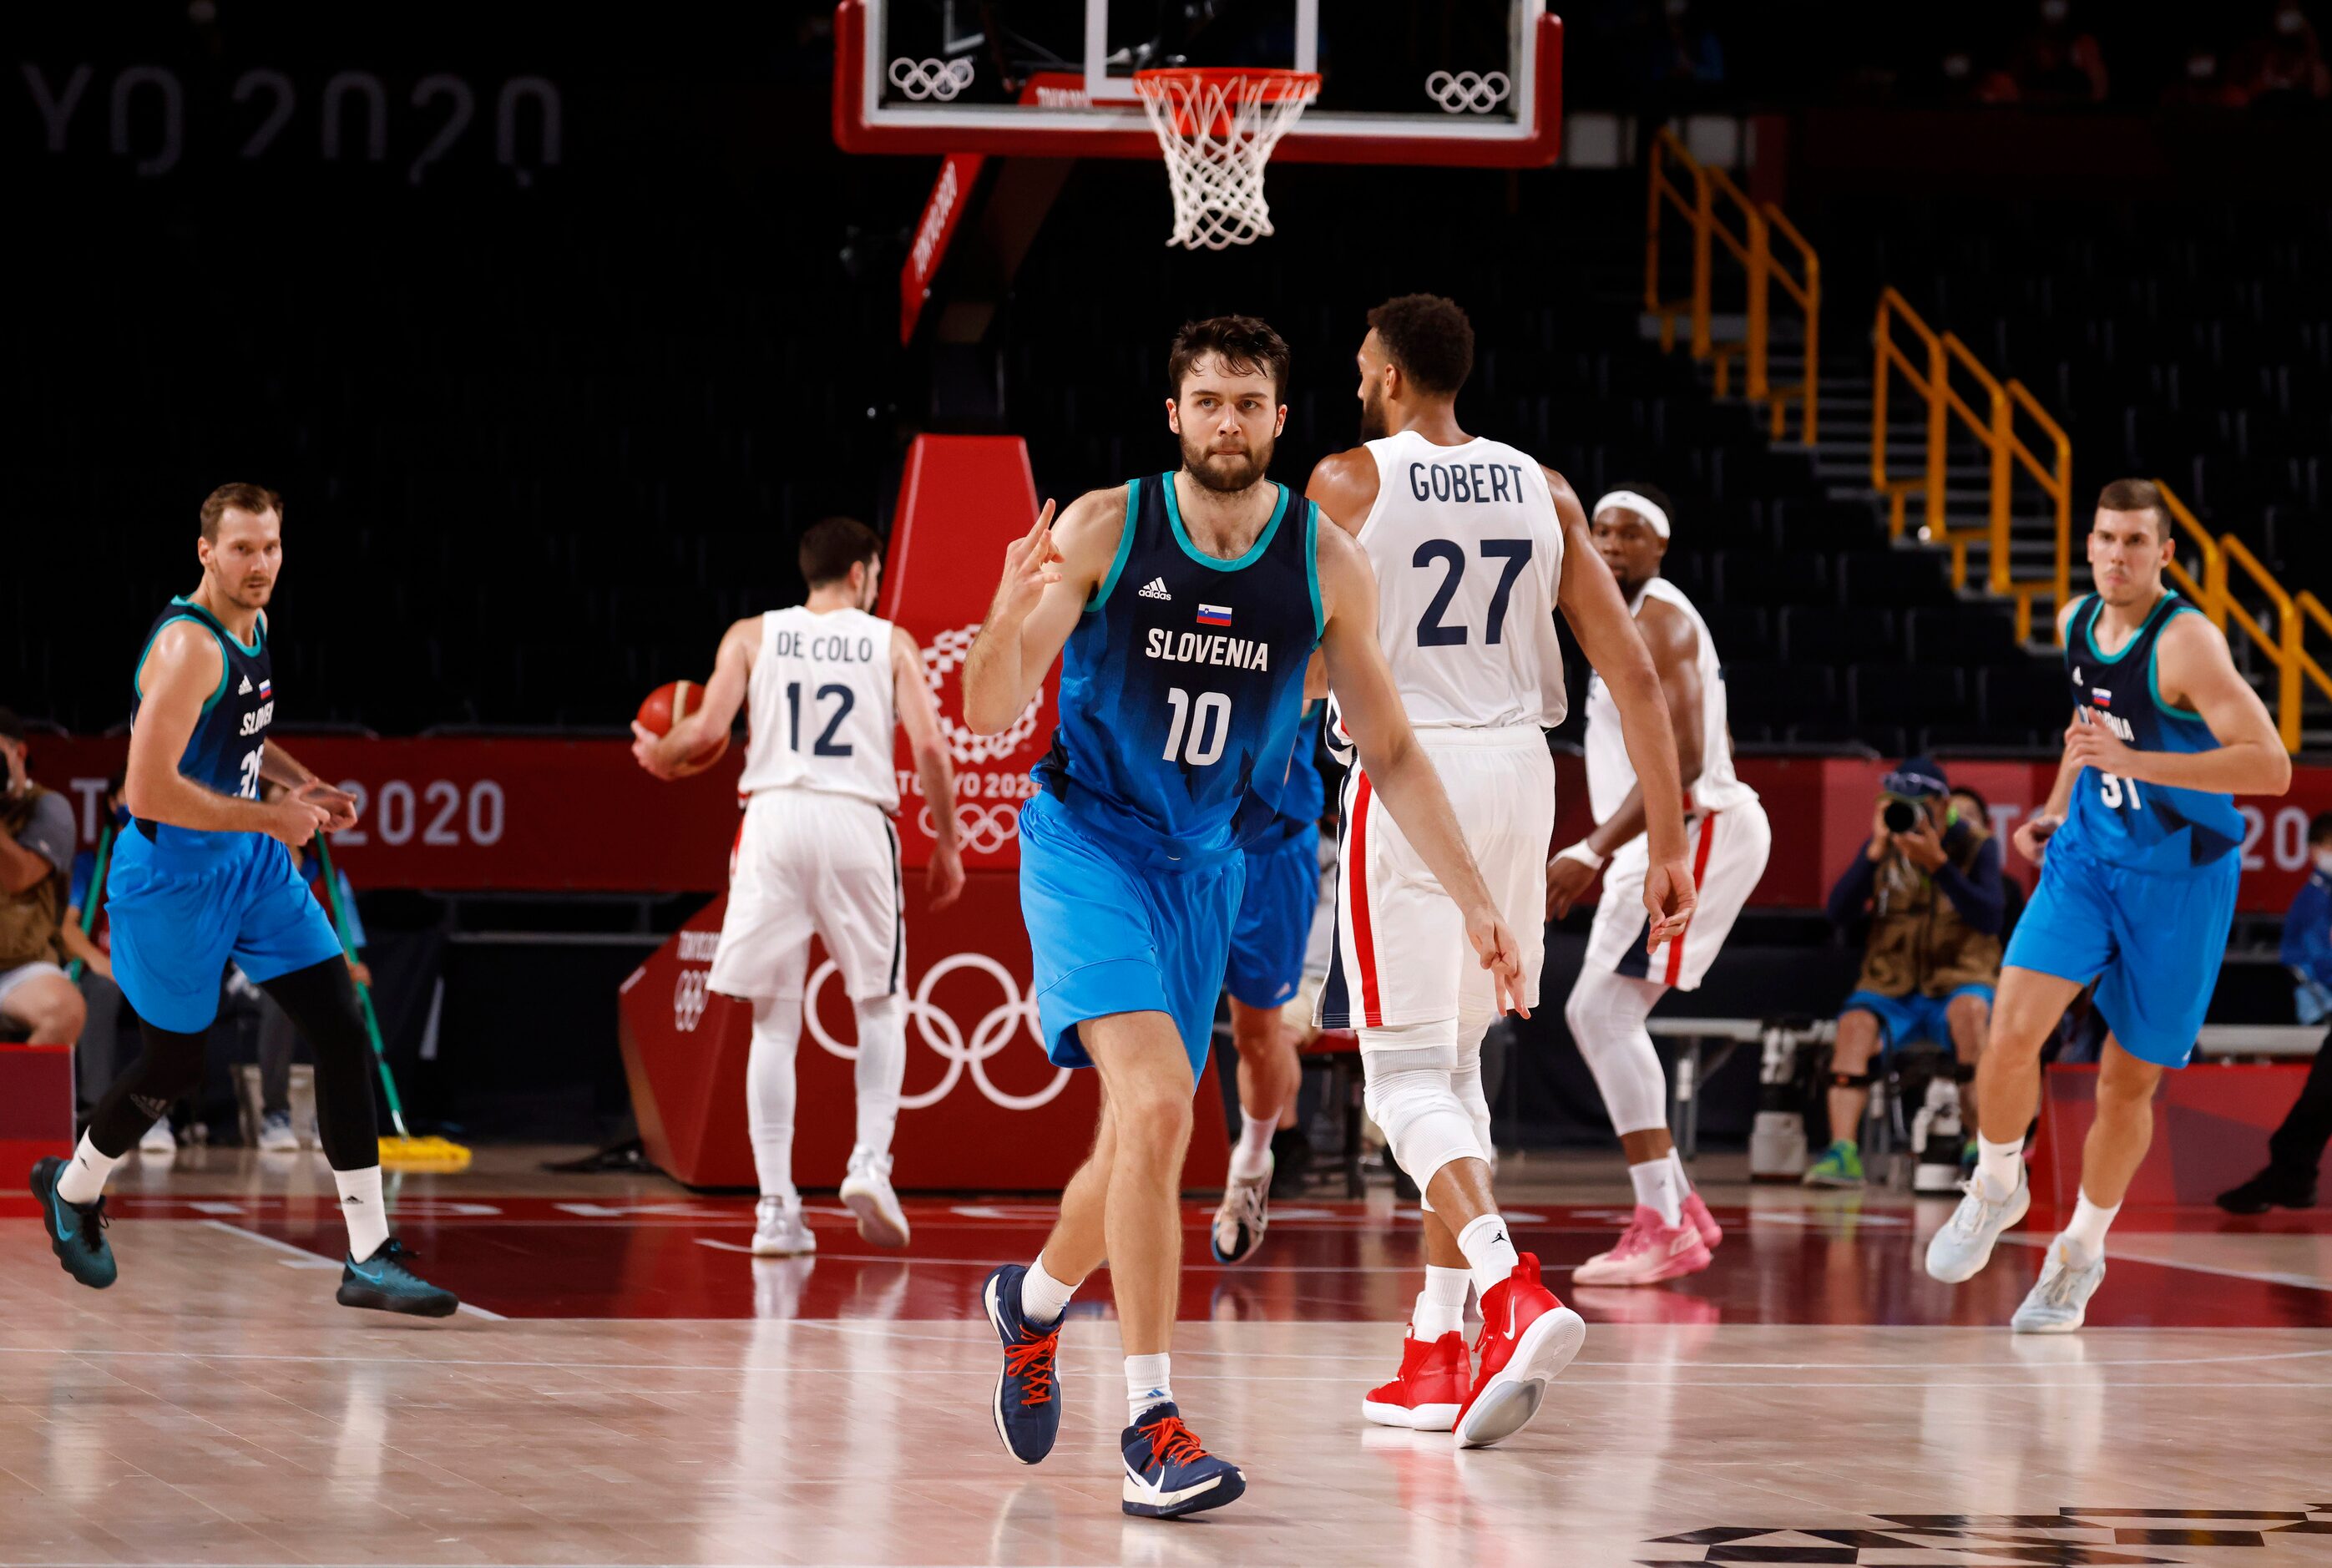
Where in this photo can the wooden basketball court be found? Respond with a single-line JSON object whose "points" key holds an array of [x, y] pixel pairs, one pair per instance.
{"points": [[627, 1385]]}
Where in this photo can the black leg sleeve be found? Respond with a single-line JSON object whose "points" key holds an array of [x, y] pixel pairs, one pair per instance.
{"points": [[169, 1069], [321, 1001], [2297, 1145]]}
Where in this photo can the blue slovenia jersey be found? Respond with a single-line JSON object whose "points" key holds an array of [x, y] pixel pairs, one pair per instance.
{"points": [[1182, 685], [1301, 802], [229, 737], [2152, 827]]}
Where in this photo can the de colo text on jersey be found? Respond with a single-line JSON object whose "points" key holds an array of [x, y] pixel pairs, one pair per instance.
{"points": [[1209, 649], [1483, 482]]}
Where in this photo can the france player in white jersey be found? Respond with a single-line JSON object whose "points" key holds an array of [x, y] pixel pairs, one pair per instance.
{"points": [[823, 683], [1477, 546], [1618, 985]]}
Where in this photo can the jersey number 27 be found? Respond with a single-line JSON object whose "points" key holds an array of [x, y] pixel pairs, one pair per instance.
{"points": [[1432, 632]]}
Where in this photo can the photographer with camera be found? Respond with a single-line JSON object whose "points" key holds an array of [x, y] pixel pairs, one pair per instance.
{"points": [[1928, 887]]}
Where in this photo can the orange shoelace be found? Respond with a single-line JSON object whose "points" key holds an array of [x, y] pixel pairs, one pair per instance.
{"points": [[1172, 1442], [1034, 1362]]}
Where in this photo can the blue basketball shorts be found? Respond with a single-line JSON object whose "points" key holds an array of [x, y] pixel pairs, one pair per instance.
{"points": [[178, 918], [1112, 933], [2153, 943], [1274, 921], [1907, 1020]]}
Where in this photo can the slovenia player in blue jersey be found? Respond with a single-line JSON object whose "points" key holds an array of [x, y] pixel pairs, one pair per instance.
{"points": [[2144, 849], [204, 875], [1185, 607]]}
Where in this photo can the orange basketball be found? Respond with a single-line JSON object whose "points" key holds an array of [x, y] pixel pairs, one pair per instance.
{"points": [[673, 701]]}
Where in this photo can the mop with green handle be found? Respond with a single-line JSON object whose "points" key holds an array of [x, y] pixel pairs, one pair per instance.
{"points": [[96, 894], [404, 1151]]}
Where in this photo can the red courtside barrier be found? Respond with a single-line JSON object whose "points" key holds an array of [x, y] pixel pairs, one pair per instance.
{"points": [[2211, 1126], [982, 1108], [36, 1104], [463, 814]]}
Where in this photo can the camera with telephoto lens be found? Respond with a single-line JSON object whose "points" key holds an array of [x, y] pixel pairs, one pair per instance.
{"points": [[1900, 813]]}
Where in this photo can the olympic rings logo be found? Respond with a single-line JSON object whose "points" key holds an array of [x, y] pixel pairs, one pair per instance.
{"points": [[690, 993], [1467, 91], [943, 658], [935, 79], [982, 829], [940, 1031]]}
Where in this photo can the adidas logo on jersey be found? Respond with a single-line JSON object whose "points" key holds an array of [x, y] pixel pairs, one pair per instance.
{"points": [[1155, 589], [244, 690]]}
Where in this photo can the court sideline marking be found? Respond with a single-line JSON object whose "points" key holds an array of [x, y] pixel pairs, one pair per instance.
{"points": [[301, 1257]]}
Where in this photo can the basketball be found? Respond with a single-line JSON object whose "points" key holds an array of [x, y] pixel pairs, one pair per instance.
{"points": [[673, 701]]}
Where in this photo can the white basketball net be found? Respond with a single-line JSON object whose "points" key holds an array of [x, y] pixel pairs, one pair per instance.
{"points": [[1217, 129]]}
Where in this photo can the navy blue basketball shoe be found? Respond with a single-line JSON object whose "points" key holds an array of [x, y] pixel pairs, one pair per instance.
{"points": [[76, 1230], [1168, 1472], [385, 1284], [1027, 1404]]}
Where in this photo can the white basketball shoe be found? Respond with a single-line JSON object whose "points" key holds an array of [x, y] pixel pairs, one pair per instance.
{"points": [[866, 1191], [779, 1231], [2059, 1299], [1963, 1246]]}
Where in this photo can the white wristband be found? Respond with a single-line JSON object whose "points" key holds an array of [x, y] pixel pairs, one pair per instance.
{"points": [[1584, 856]]}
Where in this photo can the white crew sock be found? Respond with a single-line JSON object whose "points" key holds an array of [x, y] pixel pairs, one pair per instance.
{"points": [[1660, 1187], [82, 1180], [360, 1206], [1043, 1298], [882, 1068], [770, 1093], [1996, 1166], [1252, 1157], [1488, 1253], [2085, 1235], [1147, 1385], [1441, 1306]]}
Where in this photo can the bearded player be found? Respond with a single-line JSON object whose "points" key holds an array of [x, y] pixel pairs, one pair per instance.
{"points": [[206, 875], [1671, 1232], [823, 682], [1477, 546], [1185, 607]]}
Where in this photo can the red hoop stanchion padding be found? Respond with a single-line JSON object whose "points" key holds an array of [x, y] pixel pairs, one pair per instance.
{"points": [[1217, 126]]}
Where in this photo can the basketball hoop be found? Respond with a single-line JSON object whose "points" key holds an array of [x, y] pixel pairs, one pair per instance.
{"points": [[1218, 126]]}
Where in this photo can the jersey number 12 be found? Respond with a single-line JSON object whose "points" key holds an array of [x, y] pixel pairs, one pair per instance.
{"points": [[824, 745]]}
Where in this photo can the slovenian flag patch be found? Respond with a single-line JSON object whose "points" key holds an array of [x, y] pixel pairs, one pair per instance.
{"points": [[1214, 615], [267, 690], [2100, 696]]}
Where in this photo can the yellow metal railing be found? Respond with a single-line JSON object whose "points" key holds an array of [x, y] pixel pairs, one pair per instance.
{"points": [[1995, 428], [2283, 645], [1748, 239]]}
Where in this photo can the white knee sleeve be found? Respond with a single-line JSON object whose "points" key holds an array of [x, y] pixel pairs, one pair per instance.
{"points": [[769, 1092], [1412, 1097], [1606, 1013], [882, 1066]]}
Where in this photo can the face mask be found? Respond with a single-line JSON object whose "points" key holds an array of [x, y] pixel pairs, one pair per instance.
{"points": [[2289, 21], [2055, 11], [2324, 861]]}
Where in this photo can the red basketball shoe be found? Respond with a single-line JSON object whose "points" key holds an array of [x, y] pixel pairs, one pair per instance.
{"points": [[1697, 1215], [1528, 1337], [1436, 1376]]}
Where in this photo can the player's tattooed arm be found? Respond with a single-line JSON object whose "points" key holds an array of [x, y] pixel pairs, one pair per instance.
{"points": [[2032, 835], [1049, 575], [1591, 602], [666, 756], [1397, 767], [1675, 648], [181, 671], [919, 715], [2193, 671]]}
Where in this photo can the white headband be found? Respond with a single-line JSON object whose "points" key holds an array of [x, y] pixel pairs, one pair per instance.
{"points": [[1629, 501]]}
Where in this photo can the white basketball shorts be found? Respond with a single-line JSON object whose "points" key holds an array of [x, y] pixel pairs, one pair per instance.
{"points": [[1727, 850], [1401, 955], [808, 861]]}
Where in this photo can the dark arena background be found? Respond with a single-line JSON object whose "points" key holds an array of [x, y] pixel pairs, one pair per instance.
{"points": [[555, 329]]}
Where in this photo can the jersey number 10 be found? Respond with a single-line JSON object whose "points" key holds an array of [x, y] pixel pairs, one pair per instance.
{"points": [[1208, 722]]}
